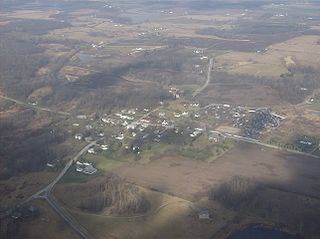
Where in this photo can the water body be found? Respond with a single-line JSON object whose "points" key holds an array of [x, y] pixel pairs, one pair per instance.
{"points": [[85, 57], [260, 233]]}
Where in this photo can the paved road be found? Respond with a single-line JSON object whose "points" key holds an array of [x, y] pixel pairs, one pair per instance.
{"points": [[81, 231], [45, 194], [34, 106], [198, 91], [48, 189], [51, 75], [257, 142]]}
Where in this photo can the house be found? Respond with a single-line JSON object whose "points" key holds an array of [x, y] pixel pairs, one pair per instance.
{"points": [[88, 127], [104, 147], [204, 215], [131, 126], [86, 168], [194, 105], [145, 121], [195, 133], [305, 142], [83, 117], [131, 112], [176, 115], [78, 136], [125, 123], [16, 215], [89, 170], [51, 165], [164, 123], [91, 151], [213, 138], [199, 129], [226, 106], [104, 120], [120, 137]]}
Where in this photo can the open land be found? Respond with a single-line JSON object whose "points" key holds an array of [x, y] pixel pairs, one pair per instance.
{"points": [[123, 119]]}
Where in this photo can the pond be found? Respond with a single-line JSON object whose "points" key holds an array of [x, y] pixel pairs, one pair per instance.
{"points": [[85, 57], [260, 233]]}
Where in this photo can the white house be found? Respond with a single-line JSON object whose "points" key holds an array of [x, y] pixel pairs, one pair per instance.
{"points": [[204, 215], [104, 147], [78, 136], [91, 151]]}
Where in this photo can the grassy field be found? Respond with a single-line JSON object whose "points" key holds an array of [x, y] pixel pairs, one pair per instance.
{"points": [[170, 217], [106, 162], [47, 225]]}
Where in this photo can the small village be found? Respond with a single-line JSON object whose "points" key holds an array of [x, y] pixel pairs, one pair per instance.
{"points": [[132, 129]]}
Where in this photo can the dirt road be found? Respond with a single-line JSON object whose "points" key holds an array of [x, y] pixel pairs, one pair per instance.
{"points": [[198, 91]]}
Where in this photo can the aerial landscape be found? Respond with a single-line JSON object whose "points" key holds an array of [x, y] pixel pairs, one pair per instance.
{"points": [[163, 119]]}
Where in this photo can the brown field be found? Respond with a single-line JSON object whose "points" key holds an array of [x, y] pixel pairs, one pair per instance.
{"points": [[74, 71], [41, 92], [299, 121], [240, 94], [190, 179], [302, 51], [56, 50], [31, 14]]}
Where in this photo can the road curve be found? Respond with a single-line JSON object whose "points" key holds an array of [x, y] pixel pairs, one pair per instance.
{"points": [[45, 194]]}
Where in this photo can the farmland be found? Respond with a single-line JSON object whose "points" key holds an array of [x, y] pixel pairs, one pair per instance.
{"points": [[159, 119]]}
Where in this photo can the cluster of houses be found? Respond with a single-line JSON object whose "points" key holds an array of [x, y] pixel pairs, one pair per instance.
{"points": [[125, 127], [200, 52], [260, 120], [85, 168], [176, 93], [133, 128], [251, 121]]}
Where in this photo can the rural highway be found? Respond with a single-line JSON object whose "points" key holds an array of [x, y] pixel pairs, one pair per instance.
{"points": [[58, 65], [45, 194], [198, 91], [81, 231], [34, 106], [48, 189], [257, 142]]}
